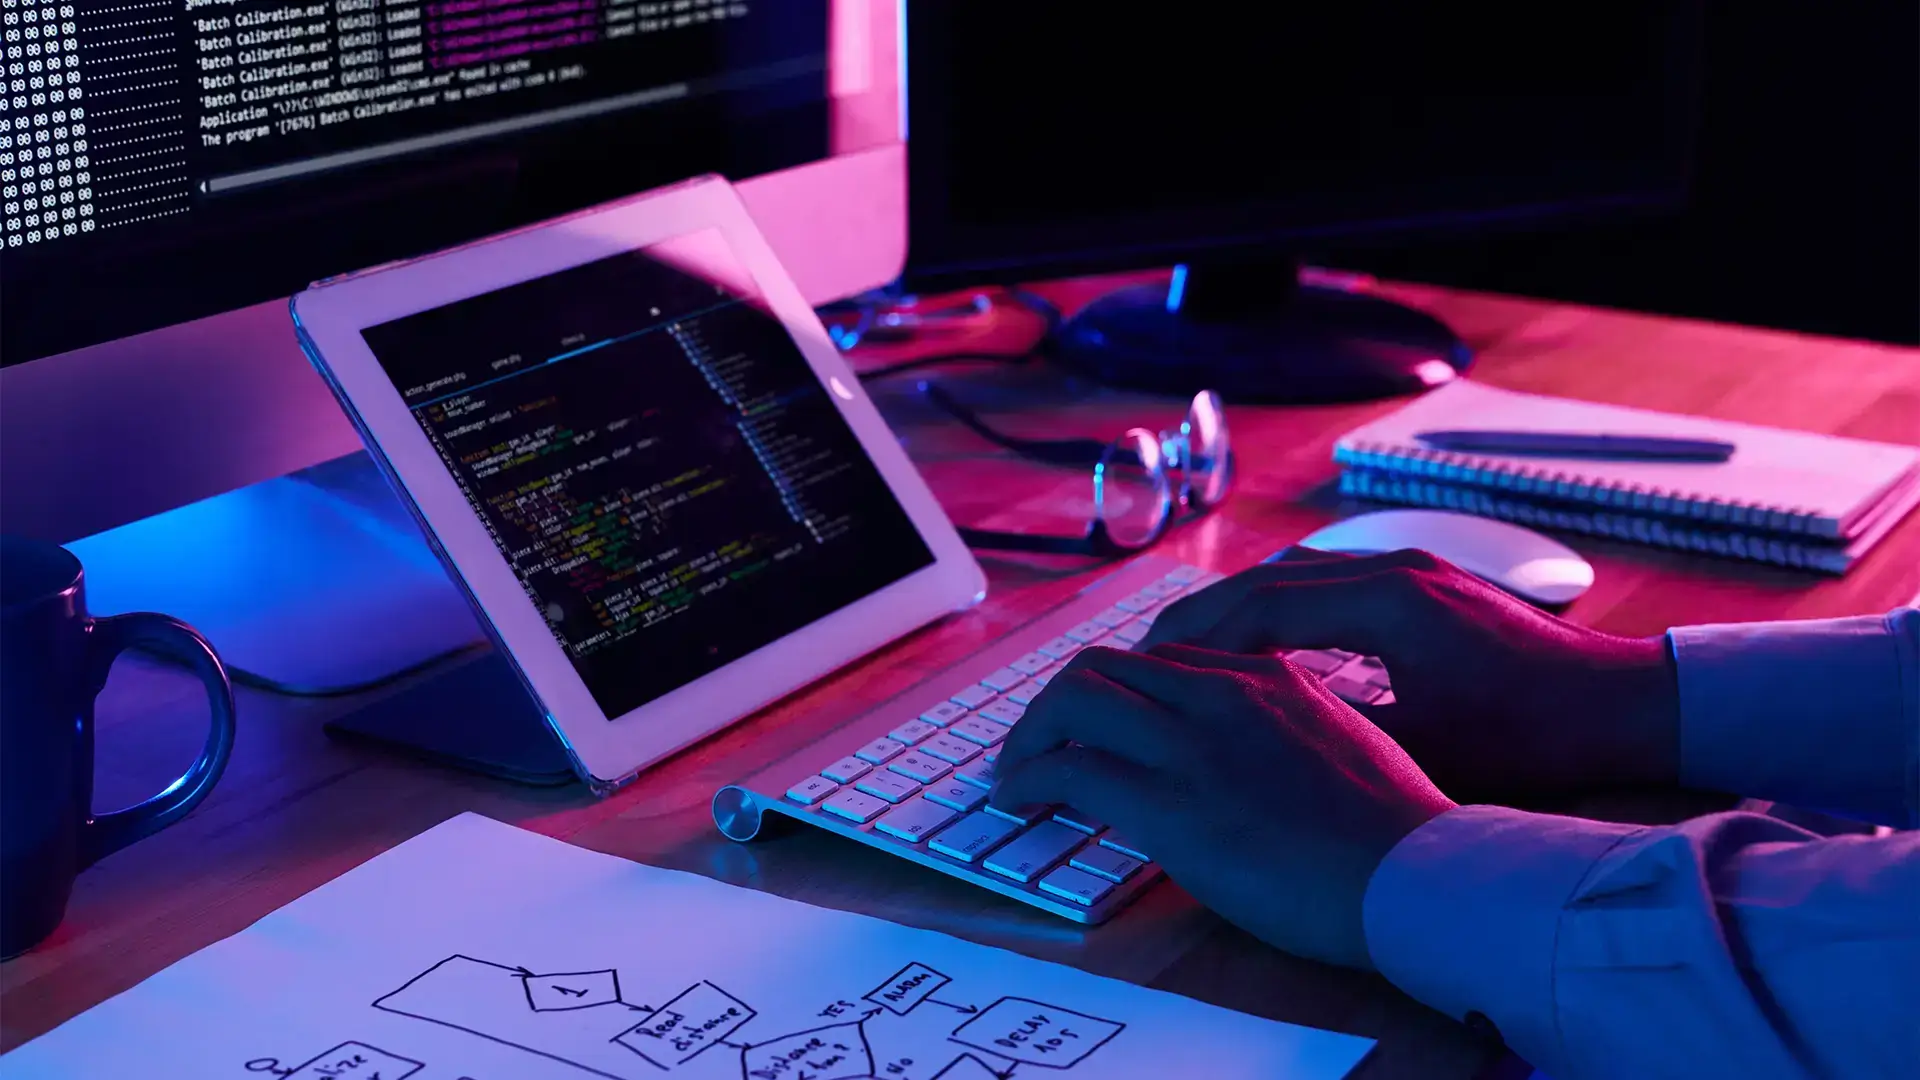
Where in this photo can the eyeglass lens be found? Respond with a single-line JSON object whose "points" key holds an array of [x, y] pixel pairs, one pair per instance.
{"points": [[1131, 493], [1206, 459]]}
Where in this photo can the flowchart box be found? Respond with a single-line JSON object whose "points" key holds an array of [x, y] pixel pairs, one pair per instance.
{"points": [[700, 1018], [835, 1052], [906, 988], [1024, 1030], [356, 1061], [572, 990]]}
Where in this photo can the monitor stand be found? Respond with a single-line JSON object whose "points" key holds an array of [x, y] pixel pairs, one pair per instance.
{"points": [[321, 583], [1252, 330]]}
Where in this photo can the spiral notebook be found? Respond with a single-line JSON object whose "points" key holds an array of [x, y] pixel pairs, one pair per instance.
{"points": [[1785, 496]]}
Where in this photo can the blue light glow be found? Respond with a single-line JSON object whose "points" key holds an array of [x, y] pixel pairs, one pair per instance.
{"points": [[1177, 289]]}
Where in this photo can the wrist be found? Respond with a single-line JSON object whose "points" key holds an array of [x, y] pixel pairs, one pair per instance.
{"points": [[1639, 706]]}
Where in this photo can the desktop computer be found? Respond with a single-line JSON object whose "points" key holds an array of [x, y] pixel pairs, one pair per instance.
{"points": [[1236, 143], [172, 170]]}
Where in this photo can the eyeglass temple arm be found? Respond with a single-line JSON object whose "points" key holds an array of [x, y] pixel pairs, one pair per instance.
{"points": [[1008, 541], [1085, 452]]}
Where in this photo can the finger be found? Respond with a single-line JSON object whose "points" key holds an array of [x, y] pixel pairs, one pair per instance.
{"points": [[1162, 677], [1081, 706], [1379, 613], [1192, 617], [1300, 553], [1121, 793]]}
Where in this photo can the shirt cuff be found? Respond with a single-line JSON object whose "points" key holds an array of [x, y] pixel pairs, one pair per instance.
{"points": [[1464, 915], [1811, 713]]}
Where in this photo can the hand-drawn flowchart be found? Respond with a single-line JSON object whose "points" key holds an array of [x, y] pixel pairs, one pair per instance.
{"points": [[584, 1019]]}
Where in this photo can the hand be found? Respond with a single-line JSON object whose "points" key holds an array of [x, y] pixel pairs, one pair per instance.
{"points": [[1494, 698], [1264, 795]]}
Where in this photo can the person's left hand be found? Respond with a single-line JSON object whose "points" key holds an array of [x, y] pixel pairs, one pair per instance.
{"points": [[1260, 792]]}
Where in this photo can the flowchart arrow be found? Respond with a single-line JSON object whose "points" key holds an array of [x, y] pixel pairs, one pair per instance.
{"points": [[951, 1005]]}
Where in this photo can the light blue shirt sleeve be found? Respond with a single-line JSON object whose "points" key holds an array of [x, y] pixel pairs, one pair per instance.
{"points": [[1822, 714], [1730, 945]]}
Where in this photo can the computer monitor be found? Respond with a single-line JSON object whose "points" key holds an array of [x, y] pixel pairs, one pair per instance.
{"points": [[172, 170], [1234, 140]]}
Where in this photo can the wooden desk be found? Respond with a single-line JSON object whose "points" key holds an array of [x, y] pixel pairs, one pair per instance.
{"points": [[296, 809]]}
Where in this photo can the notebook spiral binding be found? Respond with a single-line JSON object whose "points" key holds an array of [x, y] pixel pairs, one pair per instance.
{"points": [[1415, 491], [1557, 482]]}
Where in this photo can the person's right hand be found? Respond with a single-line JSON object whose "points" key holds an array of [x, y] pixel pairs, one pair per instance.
{"points": [[1493, 697]]}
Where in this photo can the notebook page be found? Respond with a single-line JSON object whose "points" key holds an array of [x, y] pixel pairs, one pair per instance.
{"points": [[1837, 479]]}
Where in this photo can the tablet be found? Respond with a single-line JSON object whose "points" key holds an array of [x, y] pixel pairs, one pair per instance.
{"points": [[635, 448]]}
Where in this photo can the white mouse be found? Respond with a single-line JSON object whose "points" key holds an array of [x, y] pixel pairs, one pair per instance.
{"points": [[1521, 561]]}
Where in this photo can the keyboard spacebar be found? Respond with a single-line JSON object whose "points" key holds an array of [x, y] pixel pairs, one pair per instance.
{"points": [[1034, 853]]}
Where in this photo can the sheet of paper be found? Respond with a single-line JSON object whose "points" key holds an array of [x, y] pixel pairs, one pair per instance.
{"points": [[481, 951]]}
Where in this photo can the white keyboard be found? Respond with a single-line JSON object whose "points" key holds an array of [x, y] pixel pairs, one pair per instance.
{"points": [[911, 776]]}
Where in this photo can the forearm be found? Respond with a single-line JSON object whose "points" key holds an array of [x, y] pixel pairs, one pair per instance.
{"points": [[1824, 714], [1729, 945]]}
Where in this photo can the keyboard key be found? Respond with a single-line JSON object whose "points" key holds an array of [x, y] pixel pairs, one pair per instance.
{"points": [[1061, 648], [1074, 819], [1034, 852], [1370, 670], [1342, 654], [974, 836], [1346, 686], [1186, 575], [1046, 676], [879, 751], [812, 790], [1004, 679], [975, 730], [854, 806], [1116, 842], [1032, 663], [1146, 618], [1023, 815], [949, 749], [916, 820], [920, 767], [973, 696], [1132, 633], [1162, 589], [1070, 884], [1206, 579], [944, 713], [1320, 663], [1112, 617], [979, 773], [1003, 712], [1136, 603], [1087, 633], [890, 786], [1106, 862], [1025, 692], [912, 732], [846, 770], [960, 795]]}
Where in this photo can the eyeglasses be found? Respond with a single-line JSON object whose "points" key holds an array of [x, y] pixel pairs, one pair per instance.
{"points": [[1139, 479]]}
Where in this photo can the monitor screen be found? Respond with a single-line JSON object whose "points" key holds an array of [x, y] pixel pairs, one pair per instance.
{"points": [[656, 460], [162, 160], [1141, 139]]}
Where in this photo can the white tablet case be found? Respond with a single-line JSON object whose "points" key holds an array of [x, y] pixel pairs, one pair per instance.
{"points": [[608, 751]]}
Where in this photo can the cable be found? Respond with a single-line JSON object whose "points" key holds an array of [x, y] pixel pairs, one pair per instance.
{"points": [[867, 307], [271, 685]]}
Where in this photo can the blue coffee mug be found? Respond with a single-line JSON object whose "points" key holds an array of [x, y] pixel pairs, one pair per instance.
{"points": [[53, 662]]}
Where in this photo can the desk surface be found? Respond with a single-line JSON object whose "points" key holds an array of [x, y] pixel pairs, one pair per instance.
{"points": [[296, 809]]}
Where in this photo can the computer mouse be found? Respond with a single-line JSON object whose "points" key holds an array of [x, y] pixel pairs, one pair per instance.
{"points": [[1519, 560]]}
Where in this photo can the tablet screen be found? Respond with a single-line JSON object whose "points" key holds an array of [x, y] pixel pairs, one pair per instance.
{"points": [[655, 459]]}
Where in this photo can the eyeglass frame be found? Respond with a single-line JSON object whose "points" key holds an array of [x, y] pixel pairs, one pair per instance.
{"points": [[1092, 453]]}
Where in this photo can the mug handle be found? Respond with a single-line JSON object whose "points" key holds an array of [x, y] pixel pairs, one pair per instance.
{"points": [[108, 637]]}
